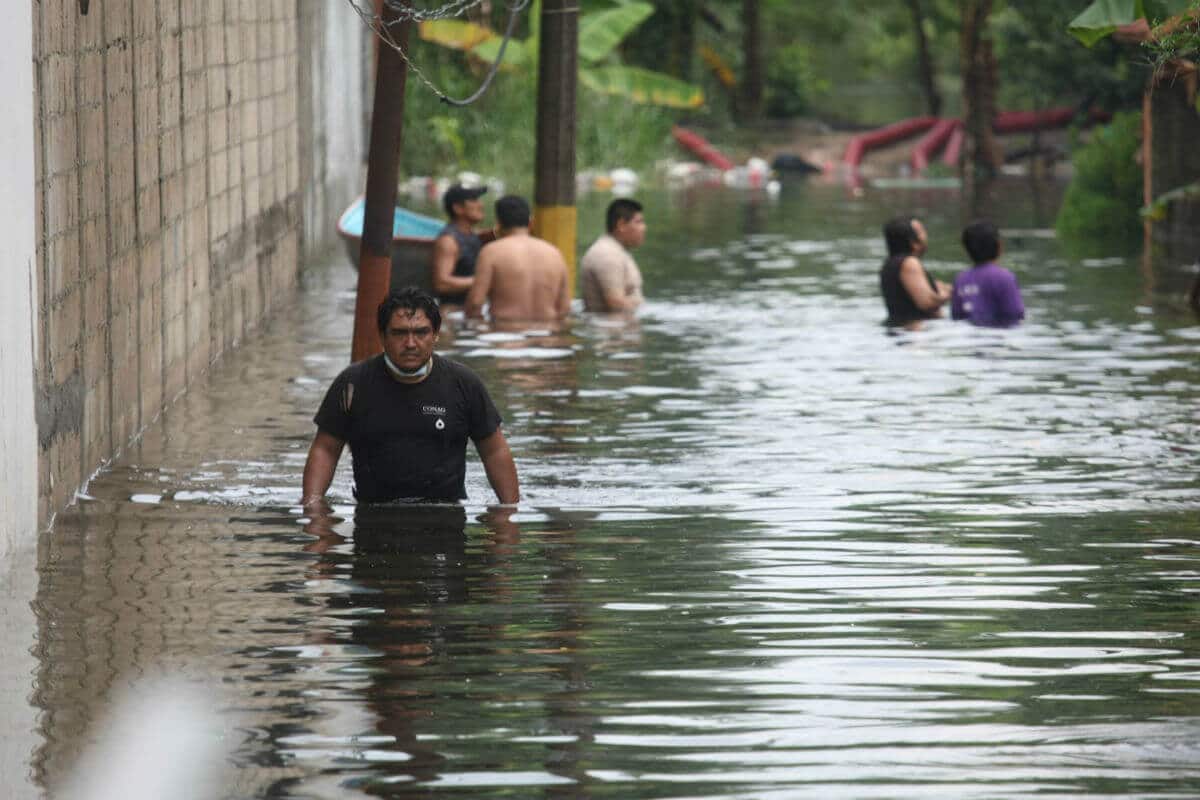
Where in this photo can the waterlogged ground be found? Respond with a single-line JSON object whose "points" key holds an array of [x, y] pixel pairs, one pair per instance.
{"points": [[767, 548]]}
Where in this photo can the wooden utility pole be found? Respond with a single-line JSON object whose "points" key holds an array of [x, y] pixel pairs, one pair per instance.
{"points": [[383, 162], [554, 213], [754, 78]]}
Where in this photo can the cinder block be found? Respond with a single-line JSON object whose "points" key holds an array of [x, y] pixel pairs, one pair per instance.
{"points": [[65, 468], [173, 204], [91, 78], [126, 416], [91, 132], [118, 70], [62, 204], [214, 44], [218, 130], [170, 146], [94, 256], [123, 288], [147, 161], [94, 291], [61, 152], [218, 175], [214, 11], [194, 141], [62, 265], [97, 445], [59, 88], [122, 229], [124, 331], [170, 103], [90, 29], [63, 330], [147, 117], [192, 41], [170, 56], [119, 119], [145, 19], [145, 63]]}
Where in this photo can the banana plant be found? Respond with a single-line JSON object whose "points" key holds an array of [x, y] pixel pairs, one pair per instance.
{"points": [[600, 33], [1102, 17]]}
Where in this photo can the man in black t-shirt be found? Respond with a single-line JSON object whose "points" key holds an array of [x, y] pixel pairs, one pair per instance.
{"points": [[407, 414]]}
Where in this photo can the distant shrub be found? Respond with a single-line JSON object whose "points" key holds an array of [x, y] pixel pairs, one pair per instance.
{"points": [[792, 82], [1105, 194]]}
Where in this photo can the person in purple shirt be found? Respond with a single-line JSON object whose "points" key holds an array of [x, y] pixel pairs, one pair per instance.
{"points": [[986, 294]]}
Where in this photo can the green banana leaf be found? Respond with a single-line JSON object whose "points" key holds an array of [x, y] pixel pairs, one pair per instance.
{"points": [[1157, 210], [601, 31], [517, 54], [1103, 17], [642, 86]]}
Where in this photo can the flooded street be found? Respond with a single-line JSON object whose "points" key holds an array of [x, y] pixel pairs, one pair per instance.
{"points": [[766, 548]]}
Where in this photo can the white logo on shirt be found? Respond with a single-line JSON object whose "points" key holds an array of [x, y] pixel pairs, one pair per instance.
{"points": [[440, 425]]}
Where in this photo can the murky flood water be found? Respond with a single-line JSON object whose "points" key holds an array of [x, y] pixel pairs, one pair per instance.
{"points": [[766, 548]]}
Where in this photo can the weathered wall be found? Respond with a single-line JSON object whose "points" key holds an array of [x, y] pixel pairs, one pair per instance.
{"points": [[170, 198]]}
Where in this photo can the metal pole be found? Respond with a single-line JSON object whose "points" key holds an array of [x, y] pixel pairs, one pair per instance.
{"points": [[383, 161], [554, 180]]}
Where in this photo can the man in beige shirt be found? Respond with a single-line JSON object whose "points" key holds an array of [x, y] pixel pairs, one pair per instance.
{"points": [[521, 277], [610, 278]]}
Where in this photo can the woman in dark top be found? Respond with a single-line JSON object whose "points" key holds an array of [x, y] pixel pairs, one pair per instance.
{"points": [[910, 293]]}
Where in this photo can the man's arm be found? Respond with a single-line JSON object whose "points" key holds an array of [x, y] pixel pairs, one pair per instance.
{"points": [[445, 253], [912, 278], [563, 303], [617, 300], [323, 456], [477, 296], [500, 468]]}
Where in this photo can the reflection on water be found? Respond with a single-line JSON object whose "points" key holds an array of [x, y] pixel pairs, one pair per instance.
{"points": [[767, 549]]}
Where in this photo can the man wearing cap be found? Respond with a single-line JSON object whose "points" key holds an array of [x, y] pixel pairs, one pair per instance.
{"points": [[457, 245]]}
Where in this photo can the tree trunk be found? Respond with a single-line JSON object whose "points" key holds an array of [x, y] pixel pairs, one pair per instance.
{"points": [[981, 152], [753, 81], [933, 98]]}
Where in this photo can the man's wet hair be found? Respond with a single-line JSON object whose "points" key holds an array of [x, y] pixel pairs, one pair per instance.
{"points": [[412, 300], [900, 236], [512, 212], [620, 210], [982, 241]]}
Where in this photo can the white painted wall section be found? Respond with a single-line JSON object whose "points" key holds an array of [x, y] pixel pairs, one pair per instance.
{"points": [[18, 429]]}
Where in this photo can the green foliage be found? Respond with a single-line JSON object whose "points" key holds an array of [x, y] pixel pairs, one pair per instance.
{"points": [[792, 81], [1103, 17], [1183, 42], [494, 136], [1042, 66], [1103, 200]]}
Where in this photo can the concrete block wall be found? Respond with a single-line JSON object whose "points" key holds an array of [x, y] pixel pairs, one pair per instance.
{"points": [[169, 198]]}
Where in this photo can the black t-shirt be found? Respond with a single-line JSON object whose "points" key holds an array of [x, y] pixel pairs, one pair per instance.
{"points": [[408, 440], [900, 306]]}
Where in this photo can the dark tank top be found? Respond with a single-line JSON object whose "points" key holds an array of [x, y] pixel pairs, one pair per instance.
{"points": [[900, 307], [468, 251]]}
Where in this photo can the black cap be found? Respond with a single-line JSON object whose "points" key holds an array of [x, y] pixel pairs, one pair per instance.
{"points": [[458, 193]]}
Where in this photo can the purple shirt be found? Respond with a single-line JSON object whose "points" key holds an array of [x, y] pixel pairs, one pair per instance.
{"points": [[987, 294]]}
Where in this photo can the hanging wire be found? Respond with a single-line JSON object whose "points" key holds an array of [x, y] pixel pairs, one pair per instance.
{"points": [[407, 13]]}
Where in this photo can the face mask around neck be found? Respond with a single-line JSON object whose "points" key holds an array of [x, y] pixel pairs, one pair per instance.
{"points": [[406, 375]]}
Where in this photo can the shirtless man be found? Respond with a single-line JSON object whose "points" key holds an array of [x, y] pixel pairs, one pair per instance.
{"points": [[520, 276]]}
